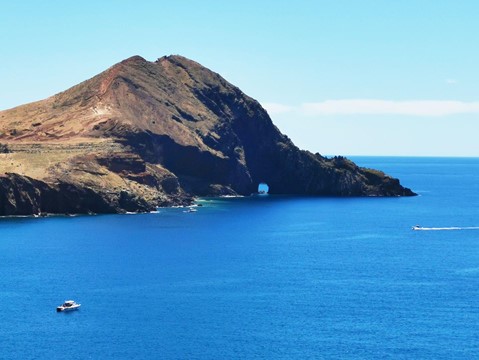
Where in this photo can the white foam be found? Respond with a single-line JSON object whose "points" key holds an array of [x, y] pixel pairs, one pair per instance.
{"points": [[446, 228]]}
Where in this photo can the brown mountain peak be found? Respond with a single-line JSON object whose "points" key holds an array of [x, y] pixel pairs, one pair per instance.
{"points": [[135, 59]]}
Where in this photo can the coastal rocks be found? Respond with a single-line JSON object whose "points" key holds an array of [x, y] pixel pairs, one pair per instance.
{"points": [[21, 195]]}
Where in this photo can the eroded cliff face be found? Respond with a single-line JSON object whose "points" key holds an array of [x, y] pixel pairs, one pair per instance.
{"points": [[146, 134], [21, 195]]}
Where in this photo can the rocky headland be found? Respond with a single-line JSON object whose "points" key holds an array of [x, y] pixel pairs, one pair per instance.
{"points": [[146, 134]]}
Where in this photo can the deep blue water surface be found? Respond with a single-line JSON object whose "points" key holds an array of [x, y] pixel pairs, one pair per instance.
{"points": [[254, 278]]}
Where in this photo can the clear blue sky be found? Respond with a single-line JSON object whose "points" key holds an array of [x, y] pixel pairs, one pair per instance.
{"points": [[365, 77]]}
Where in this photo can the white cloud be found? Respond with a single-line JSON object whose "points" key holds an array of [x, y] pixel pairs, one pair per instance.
{"points": [[275, 108], [388, 107]]}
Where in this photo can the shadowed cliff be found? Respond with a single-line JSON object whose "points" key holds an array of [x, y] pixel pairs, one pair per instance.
{"points": [[146, 134]]}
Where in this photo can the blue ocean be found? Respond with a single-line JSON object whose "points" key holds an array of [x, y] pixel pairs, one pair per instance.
{"points": [[266, 277]]}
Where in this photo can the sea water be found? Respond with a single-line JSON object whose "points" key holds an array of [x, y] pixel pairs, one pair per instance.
{"points": [[266, 277]]}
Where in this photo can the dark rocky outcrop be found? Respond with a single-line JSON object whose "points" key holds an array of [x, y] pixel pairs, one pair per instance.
{"points": [[21, 195], [144, 134]]}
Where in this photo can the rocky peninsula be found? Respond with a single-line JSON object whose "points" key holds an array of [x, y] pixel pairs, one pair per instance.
{"points": [[143, 134]]}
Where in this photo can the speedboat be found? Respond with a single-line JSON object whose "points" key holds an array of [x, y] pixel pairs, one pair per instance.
{"points": [[68, 305], [417, 227]]}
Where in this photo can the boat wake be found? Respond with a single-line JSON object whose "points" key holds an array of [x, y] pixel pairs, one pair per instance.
{"points": [[445, 228]]}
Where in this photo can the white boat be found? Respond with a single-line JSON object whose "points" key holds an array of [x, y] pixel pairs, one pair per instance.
{"points": [[417, 227], [68, 305]]}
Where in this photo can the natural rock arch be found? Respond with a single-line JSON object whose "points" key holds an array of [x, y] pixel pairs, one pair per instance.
{"points": [[263, 188]]}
